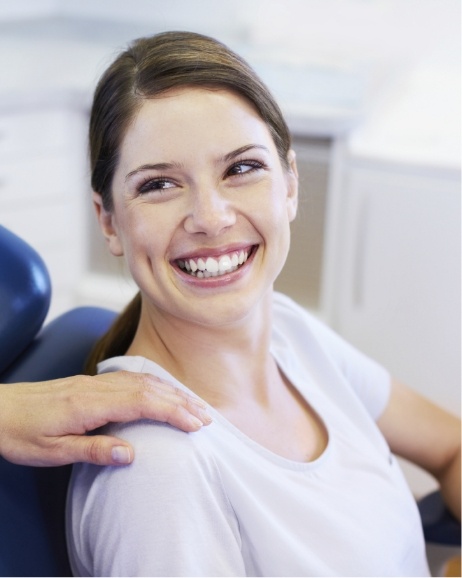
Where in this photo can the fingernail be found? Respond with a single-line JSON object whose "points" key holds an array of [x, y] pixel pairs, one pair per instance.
{"points": [[195, 422], [121, 455], [204, 416]]}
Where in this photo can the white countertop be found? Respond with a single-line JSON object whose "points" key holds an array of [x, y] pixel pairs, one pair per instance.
{"points": [[418, 124]]}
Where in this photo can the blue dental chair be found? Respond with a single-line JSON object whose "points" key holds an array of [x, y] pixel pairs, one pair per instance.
{"points": [[32, 500]]}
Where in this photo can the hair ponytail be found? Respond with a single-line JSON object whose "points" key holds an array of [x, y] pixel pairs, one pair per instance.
{"points": [[118, 339]]}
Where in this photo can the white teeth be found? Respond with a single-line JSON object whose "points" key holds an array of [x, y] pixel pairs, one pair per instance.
{"points": [[224, 264], [211, 267]]}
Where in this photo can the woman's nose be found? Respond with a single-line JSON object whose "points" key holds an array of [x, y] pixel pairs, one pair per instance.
{"points": [[210, 213]]}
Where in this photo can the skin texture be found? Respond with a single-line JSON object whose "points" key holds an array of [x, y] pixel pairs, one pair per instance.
{"points": [[43, 424], [199, 176]]}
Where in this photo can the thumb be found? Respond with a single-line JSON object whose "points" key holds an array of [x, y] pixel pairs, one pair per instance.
{"points": [[101, 450]]}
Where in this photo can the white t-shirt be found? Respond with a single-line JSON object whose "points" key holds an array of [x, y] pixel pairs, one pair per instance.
{"points": [[216, 503]]}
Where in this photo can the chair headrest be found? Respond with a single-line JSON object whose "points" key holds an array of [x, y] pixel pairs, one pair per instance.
{"points": [[25, 293]]}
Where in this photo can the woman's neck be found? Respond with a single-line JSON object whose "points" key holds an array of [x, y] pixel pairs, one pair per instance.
{"points": [[220, 364], [231, 368]]}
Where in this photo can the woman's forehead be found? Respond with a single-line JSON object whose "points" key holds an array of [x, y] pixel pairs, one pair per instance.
{"points": [[194, 117], [183, 102]]}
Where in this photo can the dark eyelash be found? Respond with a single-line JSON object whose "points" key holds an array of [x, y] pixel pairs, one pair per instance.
{"points": [[148, 185], [249, 162], [151, 183]]}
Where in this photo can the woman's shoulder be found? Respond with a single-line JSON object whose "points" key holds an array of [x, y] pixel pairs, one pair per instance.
{"points": [[292, 322], [303, 335], [158, 442], [308, 328], [289, 312], [173, 478], [161, 445], [167, 462], [135, 363]]}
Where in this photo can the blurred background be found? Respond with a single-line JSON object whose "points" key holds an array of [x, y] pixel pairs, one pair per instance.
{"points": [[371, 91]]}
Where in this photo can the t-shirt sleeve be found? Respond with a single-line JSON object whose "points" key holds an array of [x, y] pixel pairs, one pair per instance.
{"points": [[370, 381], [165, 515]]}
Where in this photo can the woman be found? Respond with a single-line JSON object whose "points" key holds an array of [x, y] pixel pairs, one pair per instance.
{"points": [[196, 185]]}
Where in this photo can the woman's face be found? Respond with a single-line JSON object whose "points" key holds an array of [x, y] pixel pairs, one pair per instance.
{"points": [[201, 205]]}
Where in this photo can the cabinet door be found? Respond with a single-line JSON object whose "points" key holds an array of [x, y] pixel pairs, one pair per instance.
{"points": [[397, 291]]}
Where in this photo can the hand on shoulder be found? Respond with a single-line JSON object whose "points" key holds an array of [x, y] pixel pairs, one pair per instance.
{"points": [[44, 423]]}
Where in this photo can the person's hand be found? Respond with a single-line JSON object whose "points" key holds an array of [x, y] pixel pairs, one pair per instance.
{"points": [[44, 423]]}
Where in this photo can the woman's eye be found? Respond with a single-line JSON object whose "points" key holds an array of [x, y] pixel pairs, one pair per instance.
{"points": [[159, 184], [244, 167]]}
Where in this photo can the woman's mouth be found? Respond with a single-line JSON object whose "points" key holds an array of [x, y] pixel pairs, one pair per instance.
{"points": [[204, 267]]}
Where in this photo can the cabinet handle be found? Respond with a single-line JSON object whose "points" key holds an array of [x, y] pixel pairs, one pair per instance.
{"points": [[359, 253]]}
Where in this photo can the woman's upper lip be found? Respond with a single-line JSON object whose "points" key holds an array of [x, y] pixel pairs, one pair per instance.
{"points": [[204, 252]]}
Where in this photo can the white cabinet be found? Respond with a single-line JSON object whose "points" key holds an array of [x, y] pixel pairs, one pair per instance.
{"points": [[43, 189], [397, 288], [394, 264]]}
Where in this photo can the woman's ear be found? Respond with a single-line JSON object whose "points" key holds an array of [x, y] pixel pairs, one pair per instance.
{"points": [[292, 185], [106, 222]]}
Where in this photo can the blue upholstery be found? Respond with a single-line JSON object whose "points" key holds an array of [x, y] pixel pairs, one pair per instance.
{"points": [[440, 527], [32, 500], [25, 292], [62, 347]]}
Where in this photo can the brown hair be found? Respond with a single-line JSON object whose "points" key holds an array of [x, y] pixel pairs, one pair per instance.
{"points": [[149, 67]]}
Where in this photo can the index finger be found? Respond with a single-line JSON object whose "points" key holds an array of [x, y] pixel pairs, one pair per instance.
{"points": [[144, 396]]}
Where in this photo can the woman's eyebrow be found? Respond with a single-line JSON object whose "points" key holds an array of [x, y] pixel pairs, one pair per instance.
{"points": [[165, 166], [233, 154], [153, 167]]}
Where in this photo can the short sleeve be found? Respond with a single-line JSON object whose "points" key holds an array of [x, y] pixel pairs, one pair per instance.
{"points": [[165, 515]]}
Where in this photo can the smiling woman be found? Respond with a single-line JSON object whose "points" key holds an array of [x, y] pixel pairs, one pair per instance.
{"points": [[207, 199], [195, 184]]}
